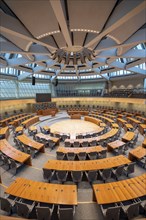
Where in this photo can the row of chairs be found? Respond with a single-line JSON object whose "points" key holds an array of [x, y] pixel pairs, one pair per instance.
{"points": [[126, 209], [81, 155], [47, 143], [9, 164], [24, 148], [91, 176], [142, 162], [36, 210]]}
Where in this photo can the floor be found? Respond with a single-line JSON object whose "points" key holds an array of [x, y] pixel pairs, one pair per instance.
{"points": [[86, 209]]}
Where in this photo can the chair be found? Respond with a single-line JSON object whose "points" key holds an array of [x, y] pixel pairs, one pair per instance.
{"points": [[51, 144], [47, 174], [111, 213], [61, 175], [60, 155], [67, 144], [71, 155], [65, 213], [14, 166], [6, 164], [102, 154], [119, 150], [129, 169], [76, 143], [24, 209], [91, 175], [131, 210], [93, 143], [105, 174], [44, 211], [1, 159], [76, 176], [93, 155], [82, 155], [8, 204], [118, 171], [84, 144]]}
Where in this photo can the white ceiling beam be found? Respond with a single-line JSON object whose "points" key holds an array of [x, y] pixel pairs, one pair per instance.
{"points": [[58, 11], [137, 70], [117, 64], [24, 76], [134, 53], [116, 24]]}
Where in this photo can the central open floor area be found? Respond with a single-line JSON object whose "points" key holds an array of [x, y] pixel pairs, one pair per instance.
{"points": [[73, 127]]}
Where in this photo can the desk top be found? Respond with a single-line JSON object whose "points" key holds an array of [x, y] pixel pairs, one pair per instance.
{"points": [[12, 152], [43, 192], [78, 150], [121, 190], [29, 142], [128, 136], [87, 165], [116, 144], [144, 142], [19, 128], [138, 152], [4, 130], [47, 137]]}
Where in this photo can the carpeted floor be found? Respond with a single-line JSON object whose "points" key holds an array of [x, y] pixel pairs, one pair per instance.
{"points": [[86, 209]]}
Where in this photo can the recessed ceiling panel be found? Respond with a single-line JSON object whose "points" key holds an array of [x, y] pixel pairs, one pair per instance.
{"points": [[90, 15], [37, 16]]}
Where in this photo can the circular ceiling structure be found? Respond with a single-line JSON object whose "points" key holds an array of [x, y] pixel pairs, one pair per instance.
{"points": [[75, 38]]}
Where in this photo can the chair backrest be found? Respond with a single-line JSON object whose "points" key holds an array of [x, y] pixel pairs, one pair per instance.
{"points": [[65, 213], [77, 176], [133, 210], [13, 164], [22, 209], [60, 155], [61, 175], [82, 155], [71, 155], [85, 144], [120, 149], [93, 155], [106, 173], [76, 144], [47, 174], [130, 168], [119, 170], [5, 205], [113, 213], [43, 213], [92, 175]]}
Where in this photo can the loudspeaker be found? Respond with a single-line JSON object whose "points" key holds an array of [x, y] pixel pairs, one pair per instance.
{"points": [[55, 82], [33, 80]]}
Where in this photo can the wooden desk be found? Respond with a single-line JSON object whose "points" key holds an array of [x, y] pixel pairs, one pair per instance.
{"points": [[76, 150], [4, 132], [17, 121], [31, 143], [75, 116], [3, 217], [137, 153], [7, 120], [115, 125], [142, 128], [142, 119], [93, 120], [30, 121], [81, 112], [115, 144], [43, 192], [128, 136], [87, 165], [48, 137], [120, 191], [19, 129], [144, 142], [13, 153], [46, 128], [105, 136], [121, 121], [32, 128], [134, 121], [128, 127]]}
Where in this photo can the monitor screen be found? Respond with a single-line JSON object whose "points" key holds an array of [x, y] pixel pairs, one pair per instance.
{"points": [[43, 97]]}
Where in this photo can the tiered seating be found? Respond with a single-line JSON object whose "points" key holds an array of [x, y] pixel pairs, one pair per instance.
{"points": [[124, 196], [29, 146], [84, 153], [4, 132], [30, 121], [102, 167], [6, 121], [41, 197], [12, 158]]}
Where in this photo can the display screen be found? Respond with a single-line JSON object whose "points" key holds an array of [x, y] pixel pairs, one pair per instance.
{"points": [[43, 97]]}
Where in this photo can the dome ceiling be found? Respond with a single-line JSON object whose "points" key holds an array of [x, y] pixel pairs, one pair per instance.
{"points": [[73, 37]]}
